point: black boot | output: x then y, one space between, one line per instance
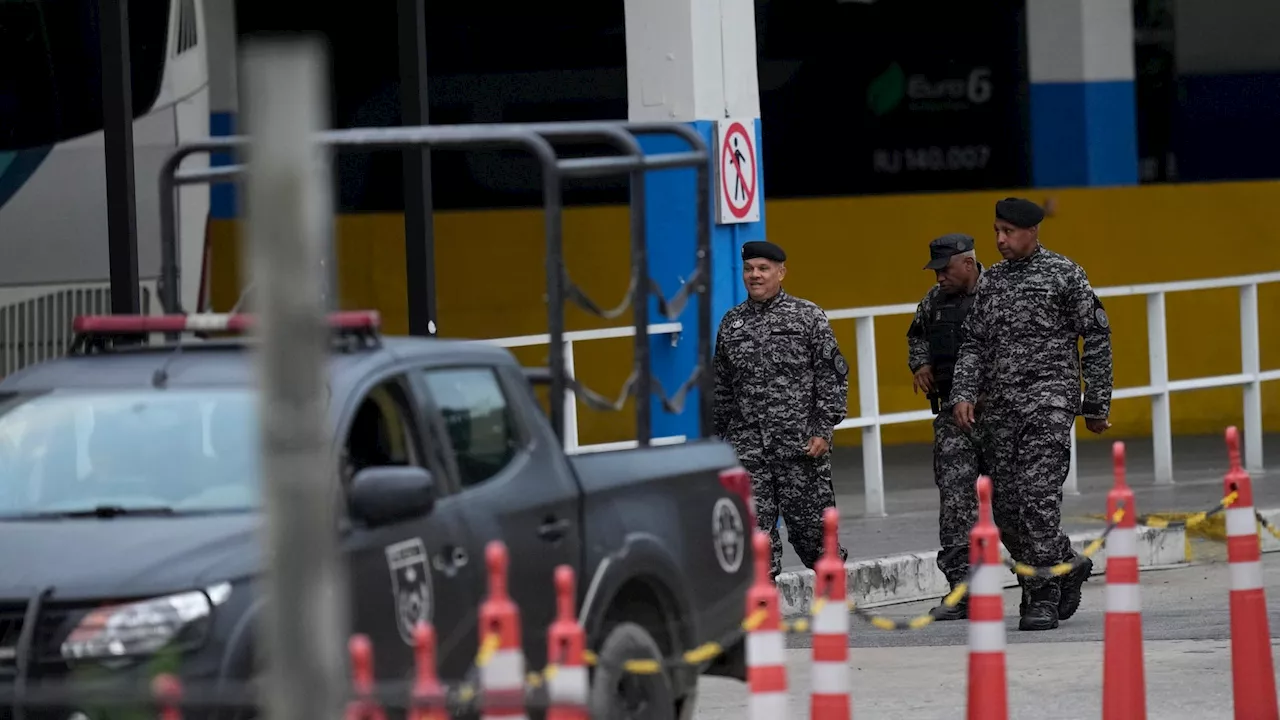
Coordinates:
1072 586
959 611
1026 597
1042 608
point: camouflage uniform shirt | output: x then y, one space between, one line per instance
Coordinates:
1020 336
780 376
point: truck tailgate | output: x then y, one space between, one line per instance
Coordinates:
669 501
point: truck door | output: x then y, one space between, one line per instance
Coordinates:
513 487
414 568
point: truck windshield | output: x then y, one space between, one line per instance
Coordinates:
178 451
50 68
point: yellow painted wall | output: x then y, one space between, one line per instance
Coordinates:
851 252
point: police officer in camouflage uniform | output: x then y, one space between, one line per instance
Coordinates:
781 388
1020 337
933 343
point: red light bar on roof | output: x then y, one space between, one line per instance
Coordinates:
206 322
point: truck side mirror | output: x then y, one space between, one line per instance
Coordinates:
382 495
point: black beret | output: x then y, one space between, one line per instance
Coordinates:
1021 212
762 249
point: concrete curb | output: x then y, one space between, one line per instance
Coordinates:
915 576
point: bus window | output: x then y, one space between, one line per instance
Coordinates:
50 67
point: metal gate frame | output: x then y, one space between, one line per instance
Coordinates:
534 138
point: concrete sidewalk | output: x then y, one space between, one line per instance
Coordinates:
893 559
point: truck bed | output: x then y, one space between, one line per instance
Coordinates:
669 519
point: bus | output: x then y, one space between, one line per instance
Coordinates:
53 212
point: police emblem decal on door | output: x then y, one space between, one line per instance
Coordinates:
410 585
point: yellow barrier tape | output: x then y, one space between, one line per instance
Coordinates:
1192 521
1066 568
704 653
488 647
881 622
1275 532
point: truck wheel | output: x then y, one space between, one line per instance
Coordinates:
616 693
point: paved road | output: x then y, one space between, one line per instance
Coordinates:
1053 675
912 498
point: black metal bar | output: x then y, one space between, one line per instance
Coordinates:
472 136
706 383
117 127
212 175
25 649
419 228
170 270
593 167
640 310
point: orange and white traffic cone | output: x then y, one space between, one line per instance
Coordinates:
567 669
766 648
988 691
1253 678
167 691
428 701
502 667
830 699
1124 687
365 706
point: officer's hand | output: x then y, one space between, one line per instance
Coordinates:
817 446
923 381
1097 425
963 413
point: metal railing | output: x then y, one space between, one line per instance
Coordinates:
37 328
571 401
1159 387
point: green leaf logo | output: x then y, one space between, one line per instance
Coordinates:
886 91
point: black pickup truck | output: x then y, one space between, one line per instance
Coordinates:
130 511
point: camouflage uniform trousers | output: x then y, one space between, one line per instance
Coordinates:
800 490
958 460
1030 456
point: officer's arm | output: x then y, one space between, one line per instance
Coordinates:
917 346
966 378
830 380
722 407
1095 364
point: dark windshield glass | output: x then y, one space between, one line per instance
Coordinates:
189 450
50 67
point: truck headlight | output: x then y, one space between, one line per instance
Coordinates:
145 626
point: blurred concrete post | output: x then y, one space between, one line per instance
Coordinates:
289 226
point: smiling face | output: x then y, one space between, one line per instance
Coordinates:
763 278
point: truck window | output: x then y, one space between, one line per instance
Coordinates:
478 418
381 433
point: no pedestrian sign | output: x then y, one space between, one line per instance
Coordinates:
737 199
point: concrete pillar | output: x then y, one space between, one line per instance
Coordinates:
694 61
1083 125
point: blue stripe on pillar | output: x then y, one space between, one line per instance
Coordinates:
1084 134
222 196
671 220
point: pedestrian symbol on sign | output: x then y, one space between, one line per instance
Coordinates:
737 171
739 192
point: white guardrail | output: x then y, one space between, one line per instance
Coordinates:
870 420
570 399
37 328
1250 377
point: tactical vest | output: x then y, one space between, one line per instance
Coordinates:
944 337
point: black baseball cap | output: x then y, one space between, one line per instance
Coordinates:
941 249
